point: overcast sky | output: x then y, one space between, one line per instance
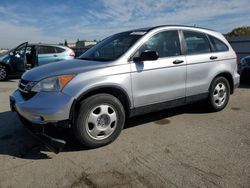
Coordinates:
52 21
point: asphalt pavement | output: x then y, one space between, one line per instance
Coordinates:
181 147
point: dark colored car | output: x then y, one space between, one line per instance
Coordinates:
26 56
244 68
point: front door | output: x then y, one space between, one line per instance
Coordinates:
163 79
18 58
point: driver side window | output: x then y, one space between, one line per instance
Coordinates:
21 50
166 44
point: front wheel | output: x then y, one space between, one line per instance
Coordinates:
100 120
219 94
3 73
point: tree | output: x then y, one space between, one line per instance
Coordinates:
240 31
65 43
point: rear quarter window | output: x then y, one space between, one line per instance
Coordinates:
218 45
59 50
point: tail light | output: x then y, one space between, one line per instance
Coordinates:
72 53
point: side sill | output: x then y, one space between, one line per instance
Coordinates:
195 98
167 104
156 107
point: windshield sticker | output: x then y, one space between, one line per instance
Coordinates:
138 33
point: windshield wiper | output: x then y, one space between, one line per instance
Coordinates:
85 58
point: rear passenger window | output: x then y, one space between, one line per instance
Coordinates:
218 45
59 50
196 42
166 44
46 50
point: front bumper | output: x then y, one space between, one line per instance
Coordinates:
43 108
40 112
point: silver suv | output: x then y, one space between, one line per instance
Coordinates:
127 74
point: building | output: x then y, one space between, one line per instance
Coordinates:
241 45
71 45
84 43
2 51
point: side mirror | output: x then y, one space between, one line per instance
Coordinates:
147 56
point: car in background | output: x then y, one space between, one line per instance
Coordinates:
26 56
244 68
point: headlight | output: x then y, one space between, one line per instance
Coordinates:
56 83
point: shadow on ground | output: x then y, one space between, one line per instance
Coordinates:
245 79
17 142
245 83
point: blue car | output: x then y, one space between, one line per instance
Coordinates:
27 56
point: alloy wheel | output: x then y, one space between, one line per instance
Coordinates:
3 73
220 94
101 122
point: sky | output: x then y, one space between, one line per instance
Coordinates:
53 21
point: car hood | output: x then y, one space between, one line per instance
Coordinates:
61 68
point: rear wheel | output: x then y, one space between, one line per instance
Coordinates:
219 94
3 72
100 120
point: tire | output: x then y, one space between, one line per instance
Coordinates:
100 120
219 94
3 73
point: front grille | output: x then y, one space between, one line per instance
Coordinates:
25 87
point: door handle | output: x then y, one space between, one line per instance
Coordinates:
177 61
55 55
213 57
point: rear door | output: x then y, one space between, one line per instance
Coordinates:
46 54
18 58
161 80
60 54
199 58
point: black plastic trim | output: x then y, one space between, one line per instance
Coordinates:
105 87
167 104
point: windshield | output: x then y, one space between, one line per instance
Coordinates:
112 47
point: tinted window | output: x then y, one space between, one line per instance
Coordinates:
196 42
166 44
218 45
46 50
59 50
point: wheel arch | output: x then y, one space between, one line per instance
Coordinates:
229 78
116 91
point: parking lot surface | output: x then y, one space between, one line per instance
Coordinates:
181 147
